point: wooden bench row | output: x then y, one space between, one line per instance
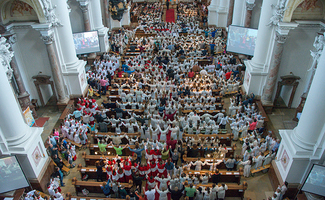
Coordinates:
94 150
225 176
93 187
223 138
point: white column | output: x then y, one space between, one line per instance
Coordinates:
238 12
312 118
97 14
304 145
212 15
98 25
263 34
222 13
12 123
16 137
65 34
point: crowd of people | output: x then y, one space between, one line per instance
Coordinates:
169 97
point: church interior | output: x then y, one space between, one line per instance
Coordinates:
118 99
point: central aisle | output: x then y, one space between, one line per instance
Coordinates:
170 15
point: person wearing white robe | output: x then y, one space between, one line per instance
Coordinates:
258 160
222 191
162 193
163 182
247 167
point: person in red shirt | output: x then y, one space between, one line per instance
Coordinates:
161 169
169 116
228 75
252 126
153 169
121 176
191 74
127 171
172 143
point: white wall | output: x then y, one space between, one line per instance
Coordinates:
76 17
32 58
297 59
256 14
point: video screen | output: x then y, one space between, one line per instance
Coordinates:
11 175
86 42
315 182
241 40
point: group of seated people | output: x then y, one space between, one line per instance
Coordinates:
173 108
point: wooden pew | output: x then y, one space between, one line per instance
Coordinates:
210 160
224 138
90 160
74 143
231 152
253 171
70 197
202 112
115 91
93 187
102 134
225 176
234 190
266 119
93 149
68 109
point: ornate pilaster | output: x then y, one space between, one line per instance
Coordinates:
6 55
48 39
319 45
230 12
278 13
249 10
84 6
281 35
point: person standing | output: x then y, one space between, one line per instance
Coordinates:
99 171
167 4
222 192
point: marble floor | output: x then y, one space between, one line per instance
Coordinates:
259 186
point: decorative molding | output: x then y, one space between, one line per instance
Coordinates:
280 38
50 14
5 56
319 44
84 5
278 13
12 39
48 39
250 5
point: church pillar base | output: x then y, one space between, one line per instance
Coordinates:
76 79
255 78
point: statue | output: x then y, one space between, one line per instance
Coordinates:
6 55
116 8
319 43
278 13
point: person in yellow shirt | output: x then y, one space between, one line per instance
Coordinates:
90 92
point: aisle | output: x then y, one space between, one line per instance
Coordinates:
170 15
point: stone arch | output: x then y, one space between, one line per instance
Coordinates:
291 7
37 6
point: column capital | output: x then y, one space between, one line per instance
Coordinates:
6 55
83 4
282 31
250 4
46 32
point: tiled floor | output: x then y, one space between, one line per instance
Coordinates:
259 186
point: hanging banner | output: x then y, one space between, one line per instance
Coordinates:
29 117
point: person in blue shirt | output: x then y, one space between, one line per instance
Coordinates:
77 114
276 146
170 167
138 151
212 45
106 188
213 33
